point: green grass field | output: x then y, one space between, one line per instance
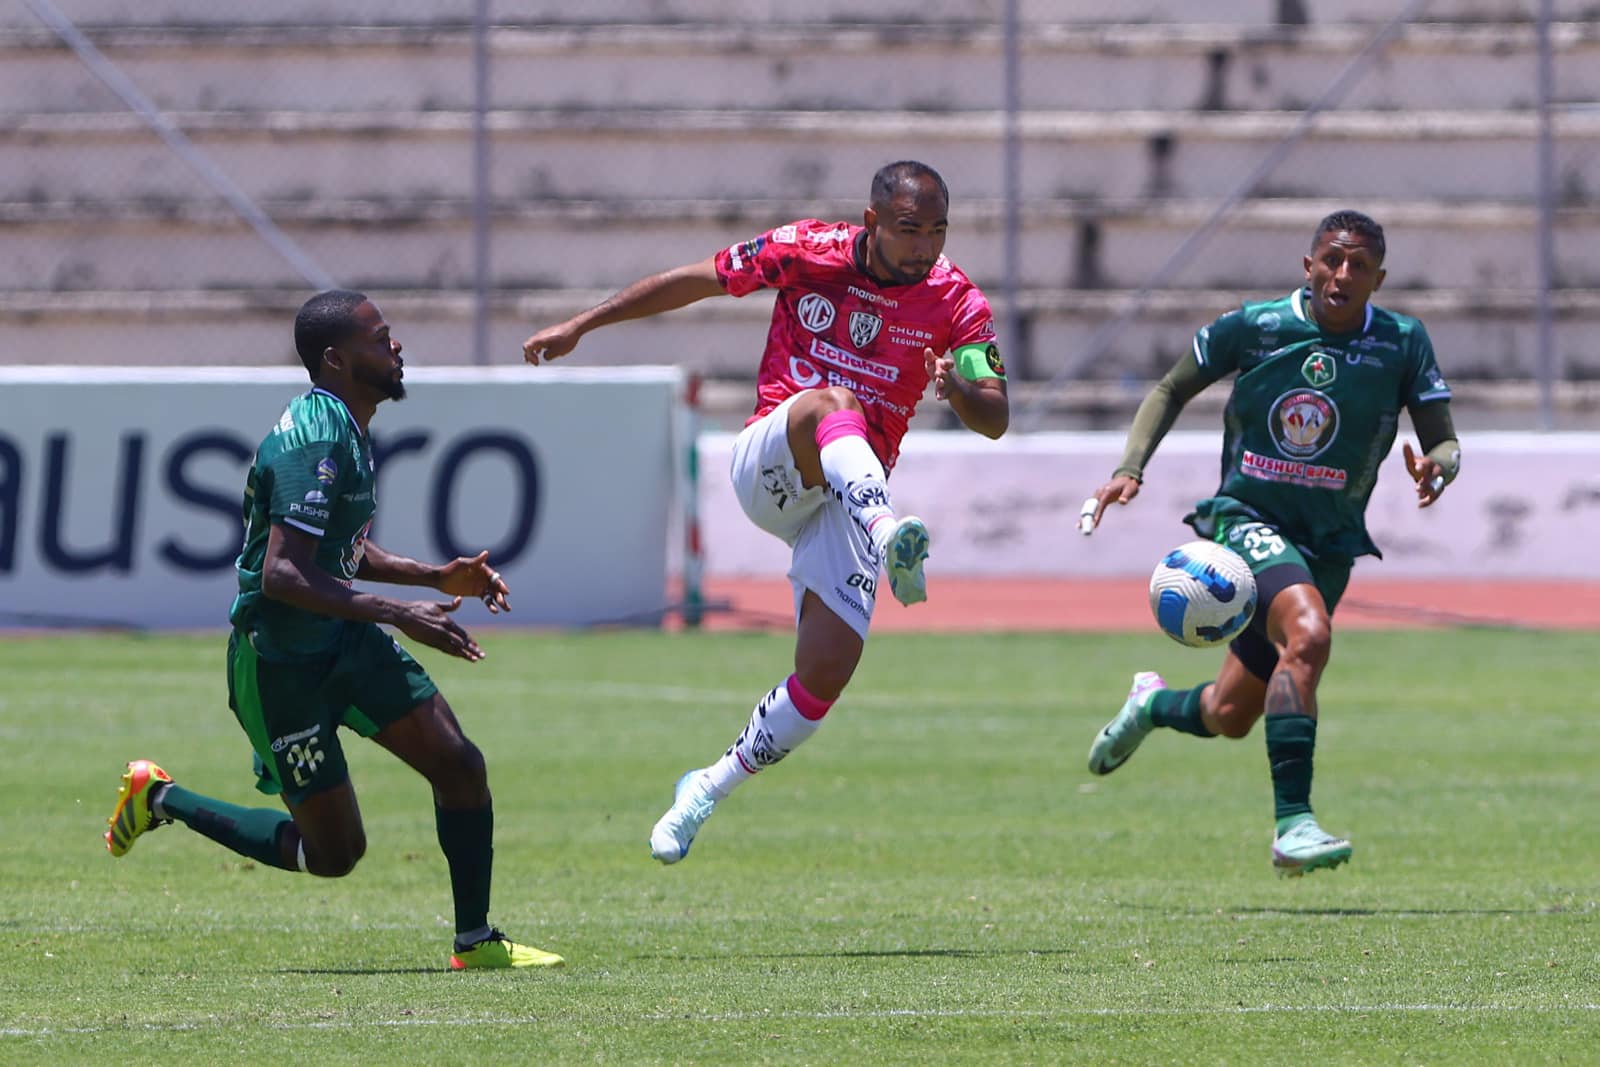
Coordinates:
934 879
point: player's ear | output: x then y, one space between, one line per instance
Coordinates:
1378 281
1305 264
332 358
869 218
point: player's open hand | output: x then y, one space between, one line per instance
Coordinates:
472 576
1119 490
941 371
429 622
1428 475
552 342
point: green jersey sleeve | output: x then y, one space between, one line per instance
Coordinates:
1217 346
1425 382
304 482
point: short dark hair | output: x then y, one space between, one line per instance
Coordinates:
322 322
891 176
1353 222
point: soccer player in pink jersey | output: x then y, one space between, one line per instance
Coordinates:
865 317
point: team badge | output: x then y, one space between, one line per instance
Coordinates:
1320 369
1303 423
814 312
738 254
996 364
327 471
864 326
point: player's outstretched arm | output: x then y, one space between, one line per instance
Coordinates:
1156 414
464 576
290 574
666 291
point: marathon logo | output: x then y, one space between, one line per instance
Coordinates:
1310 475
872 298
823 352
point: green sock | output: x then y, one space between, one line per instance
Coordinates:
1179 709
467 840
252 832
1291 740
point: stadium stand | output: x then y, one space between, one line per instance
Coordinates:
632 134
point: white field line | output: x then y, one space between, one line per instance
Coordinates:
805 1016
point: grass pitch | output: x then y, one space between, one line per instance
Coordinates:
935 878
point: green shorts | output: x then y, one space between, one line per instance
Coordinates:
1276 563
291 711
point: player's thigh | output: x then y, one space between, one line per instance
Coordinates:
834 559
379 681
766 480
291 714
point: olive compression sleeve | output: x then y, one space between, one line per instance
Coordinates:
1158 412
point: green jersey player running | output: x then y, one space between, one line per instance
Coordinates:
306 655
1321 377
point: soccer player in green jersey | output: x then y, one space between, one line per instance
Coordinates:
306 655
1321 377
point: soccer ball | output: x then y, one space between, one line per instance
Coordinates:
1202 594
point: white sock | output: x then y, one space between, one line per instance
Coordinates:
781 723
855 476
300 857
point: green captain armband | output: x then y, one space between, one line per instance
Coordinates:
979 361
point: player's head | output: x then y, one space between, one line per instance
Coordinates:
1344 269
906 220
341 337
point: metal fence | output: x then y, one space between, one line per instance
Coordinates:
177 173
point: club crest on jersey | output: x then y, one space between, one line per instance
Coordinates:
864 327
327 471
814 312
1320 369
1303 423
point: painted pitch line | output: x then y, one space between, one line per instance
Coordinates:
819 1016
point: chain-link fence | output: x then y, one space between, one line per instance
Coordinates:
178 173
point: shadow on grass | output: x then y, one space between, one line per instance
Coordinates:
888 953
1282 910
364 970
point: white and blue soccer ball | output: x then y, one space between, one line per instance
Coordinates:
1202 594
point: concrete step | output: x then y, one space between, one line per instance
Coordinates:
824 12
810 67
1445 155
1118 244
1485 335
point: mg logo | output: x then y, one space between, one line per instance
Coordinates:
864 326
815 313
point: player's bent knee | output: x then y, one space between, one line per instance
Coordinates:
1234 722
335 862
1311 642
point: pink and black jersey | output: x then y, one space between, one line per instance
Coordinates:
835 325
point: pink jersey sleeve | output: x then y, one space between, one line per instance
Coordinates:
973 322
769 261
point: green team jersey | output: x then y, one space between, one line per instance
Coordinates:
1312 415
314 472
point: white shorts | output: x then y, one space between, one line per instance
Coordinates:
832 554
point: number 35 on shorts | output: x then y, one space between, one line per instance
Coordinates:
1261 542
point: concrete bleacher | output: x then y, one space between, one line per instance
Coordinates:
631 135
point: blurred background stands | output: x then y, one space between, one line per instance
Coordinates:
626 136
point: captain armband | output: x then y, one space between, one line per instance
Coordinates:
979 361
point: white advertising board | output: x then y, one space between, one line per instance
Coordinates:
1525 506
121 489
